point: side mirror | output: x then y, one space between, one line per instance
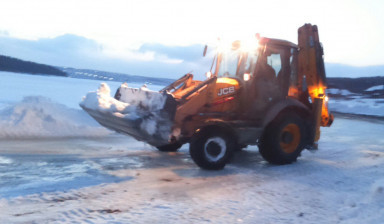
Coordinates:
205 50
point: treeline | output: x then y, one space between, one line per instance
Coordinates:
10 64
356 85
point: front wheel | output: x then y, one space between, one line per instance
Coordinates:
211 149
283 139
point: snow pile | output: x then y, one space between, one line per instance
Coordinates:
374 88
137 110
373 107
37 116
342 92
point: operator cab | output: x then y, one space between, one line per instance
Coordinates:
264 70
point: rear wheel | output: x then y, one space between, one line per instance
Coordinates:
170 147
211 149
283 139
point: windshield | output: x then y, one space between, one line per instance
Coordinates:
235 63
228 64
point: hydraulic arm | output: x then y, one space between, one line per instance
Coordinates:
311 73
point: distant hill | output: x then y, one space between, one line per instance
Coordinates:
10 64
341 70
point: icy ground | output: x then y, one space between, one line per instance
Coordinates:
58 166
118 180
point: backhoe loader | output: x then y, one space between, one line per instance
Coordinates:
270 94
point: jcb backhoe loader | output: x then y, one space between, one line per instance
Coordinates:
271 95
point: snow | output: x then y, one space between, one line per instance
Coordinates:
148 99
102 100
37 117
343 92
374 88
358 105
354 103
135 105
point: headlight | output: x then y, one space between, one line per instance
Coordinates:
246 76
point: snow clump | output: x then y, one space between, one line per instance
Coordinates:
134 105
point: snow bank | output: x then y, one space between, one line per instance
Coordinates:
137 112
37 116
374 88
343 92
373 107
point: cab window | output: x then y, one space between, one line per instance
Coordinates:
228 64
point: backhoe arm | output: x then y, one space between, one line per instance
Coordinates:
311 66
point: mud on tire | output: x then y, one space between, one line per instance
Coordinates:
283 139
212 148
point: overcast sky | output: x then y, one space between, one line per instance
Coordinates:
351 30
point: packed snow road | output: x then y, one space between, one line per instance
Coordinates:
116 179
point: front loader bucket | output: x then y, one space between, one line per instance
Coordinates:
143 114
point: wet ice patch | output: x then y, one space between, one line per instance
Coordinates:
31 174
37 116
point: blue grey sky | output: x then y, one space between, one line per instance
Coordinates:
166 38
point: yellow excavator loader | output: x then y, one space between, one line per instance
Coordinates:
271 94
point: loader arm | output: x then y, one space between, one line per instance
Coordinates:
176 84
192 101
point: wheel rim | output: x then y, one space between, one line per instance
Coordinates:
290 138
215 148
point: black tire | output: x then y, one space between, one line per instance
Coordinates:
212 148
169 148
283 139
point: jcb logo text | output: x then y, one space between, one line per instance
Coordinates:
225 91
